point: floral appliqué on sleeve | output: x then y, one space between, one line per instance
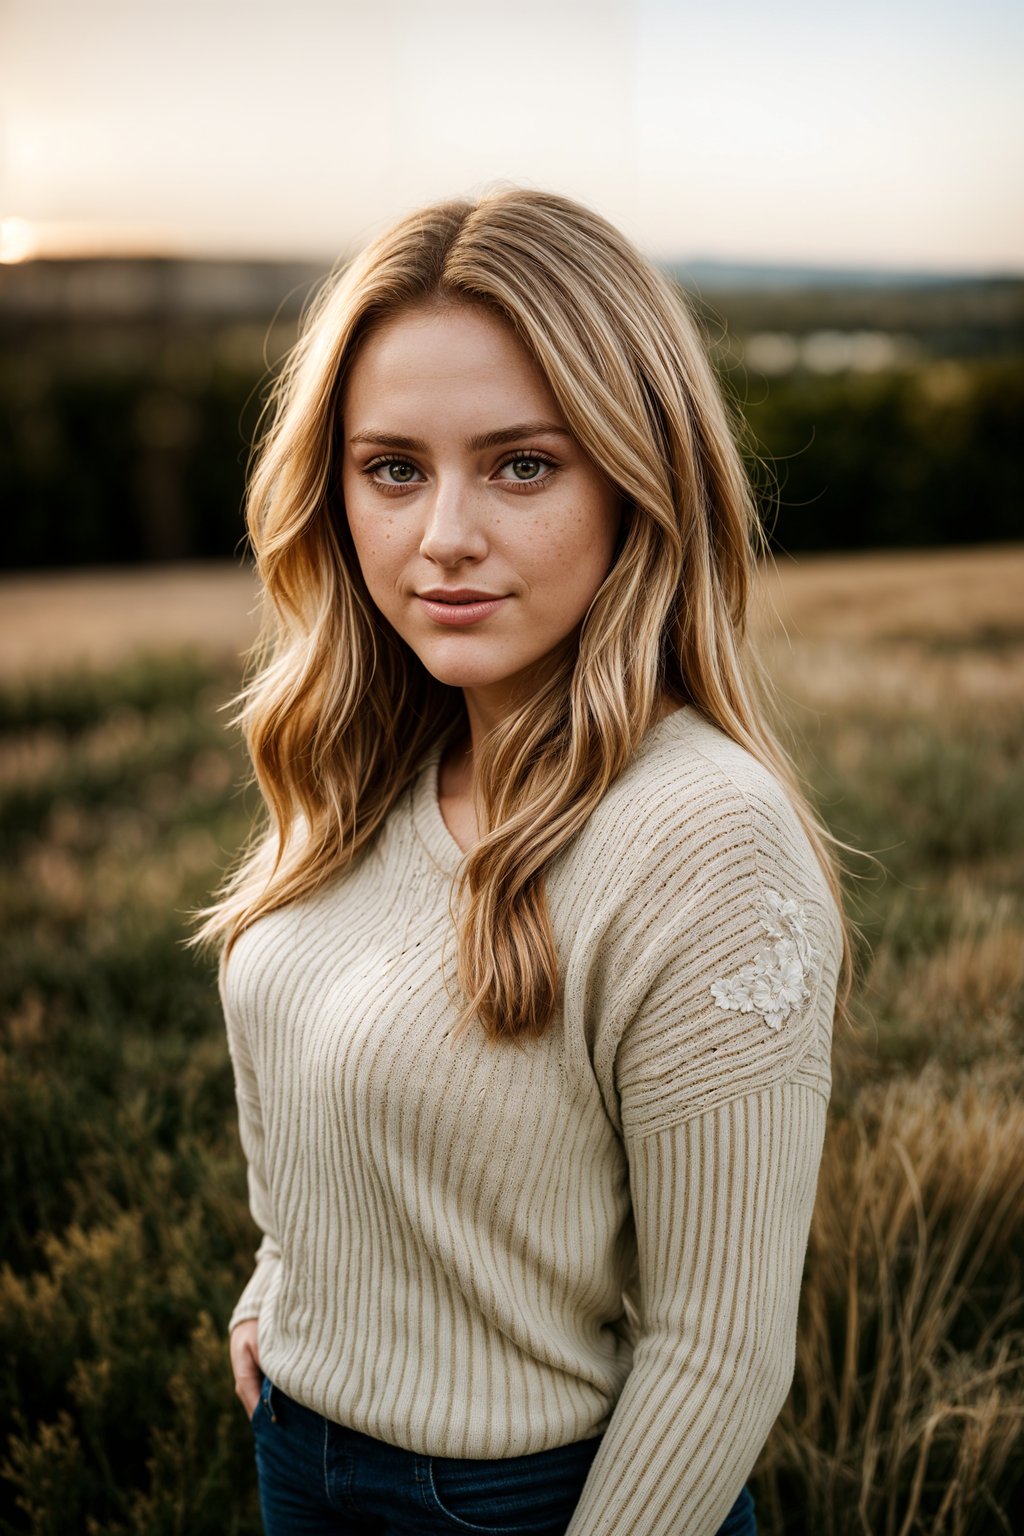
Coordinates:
776 982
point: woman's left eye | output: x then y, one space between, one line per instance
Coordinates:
526 467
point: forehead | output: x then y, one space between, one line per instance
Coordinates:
461 357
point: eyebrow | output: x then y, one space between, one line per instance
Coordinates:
496 439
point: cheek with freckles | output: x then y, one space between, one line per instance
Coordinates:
380 551
565 559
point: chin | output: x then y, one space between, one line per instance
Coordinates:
463 677
464 671
459 657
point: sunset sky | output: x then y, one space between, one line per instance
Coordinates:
881 134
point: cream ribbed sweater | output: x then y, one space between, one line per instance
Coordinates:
486 1251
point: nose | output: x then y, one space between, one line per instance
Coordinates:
454 528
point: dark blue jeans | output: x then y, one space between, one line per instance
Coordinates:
318 1478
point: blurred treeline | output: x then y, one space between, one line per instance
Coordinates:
130 394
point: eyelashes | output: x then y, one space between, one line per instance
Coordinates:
398 462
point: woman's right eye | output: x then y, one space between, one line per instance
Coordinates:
391 471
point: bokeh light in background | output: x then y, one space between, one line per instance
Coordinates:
879 134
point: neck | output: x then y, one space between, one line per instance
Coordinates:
459 758
484 713
486 710
482 716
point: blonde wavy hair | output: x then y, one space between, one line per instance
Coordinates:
338 712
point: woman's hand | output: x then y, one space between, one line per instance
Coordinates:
243 1346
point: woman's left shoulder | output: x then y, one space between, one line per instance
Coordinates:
697 823
713 945
690 785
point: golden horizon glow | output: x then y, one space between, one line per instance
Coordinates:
17 241
25 240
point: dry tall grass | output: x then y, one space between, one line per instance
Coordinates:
909 1404
902 679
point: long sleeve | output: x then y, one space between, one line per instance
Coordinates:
720 1076
250 1130
723 1206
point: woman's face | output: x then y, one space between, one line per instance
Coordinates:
482 529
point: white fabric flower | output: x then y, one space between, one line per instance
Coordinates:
776 983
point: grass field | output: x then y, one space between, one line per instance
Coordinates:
126 1234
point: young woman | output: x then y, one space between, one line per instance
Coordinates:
529 978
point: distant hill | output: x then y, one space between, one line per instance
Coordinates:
126 289
705 272
129 290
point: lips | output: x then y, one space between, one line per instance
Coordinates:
460 595
459 607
